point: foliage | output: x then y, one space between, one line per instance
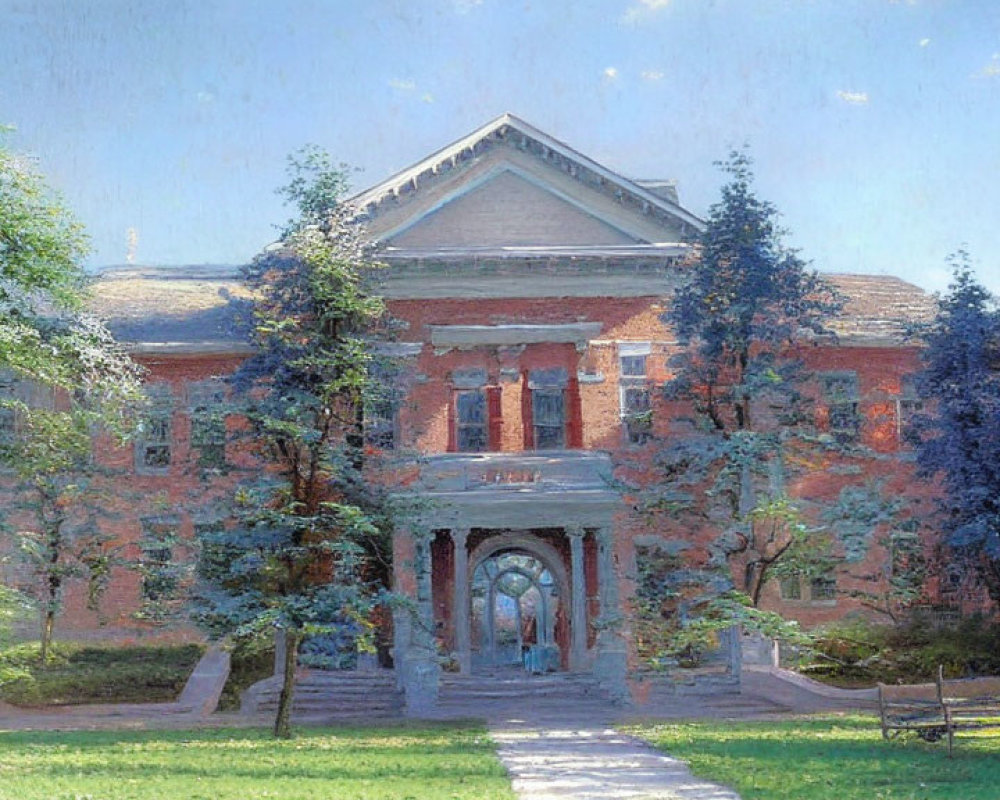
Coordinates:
422 762
64 376
958 440
309 553
739 316
76 673
685 640
829 758
14 607
863 515
745 306
861 652
251 660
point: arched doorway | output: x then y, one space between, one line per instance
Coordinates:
515 607
521 575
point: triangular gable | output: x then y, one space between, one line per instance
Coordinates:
510 184
508 208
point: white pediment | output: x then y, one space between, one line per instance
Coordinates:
510 185
508 209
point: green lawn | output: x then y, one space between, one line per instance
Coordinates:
401 762
831 758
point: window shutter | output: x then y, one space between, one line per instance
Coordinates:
574 414
494 417
526 413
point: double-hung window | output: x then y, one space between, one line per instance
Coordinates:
840 392
472 434
548 408
633 387
548 413
160 573
154 441
908 404
208 423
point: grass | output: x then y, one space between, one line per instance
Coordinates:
831 758
77 673
405 762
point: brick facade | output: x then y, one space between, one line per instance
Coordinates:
541 320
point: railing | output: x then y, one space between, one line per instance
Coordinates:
549 470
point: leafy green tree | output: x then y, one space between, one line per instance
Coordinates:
958 438
748 306
867 514
740 315
66 380
310 549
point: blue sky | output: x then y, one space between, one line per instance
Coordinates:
874 124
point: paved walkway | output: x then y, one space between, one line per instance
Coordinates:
593 762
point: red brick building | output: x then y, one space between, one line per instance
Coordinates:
531 282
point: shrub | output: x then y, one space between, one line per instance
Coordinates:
251 661
857 651
75 673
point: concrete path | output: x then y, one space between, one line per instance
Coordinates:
593 762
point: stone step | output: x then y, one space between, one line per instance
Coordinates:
522 680
523 691
358 709
334 690
345 676
329 695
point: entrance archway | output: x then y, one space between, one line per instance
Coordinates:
515 603
519 602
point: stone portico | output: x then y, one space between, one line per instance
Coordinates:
552 509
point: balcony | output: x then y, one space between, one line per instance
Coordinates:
531 471
550 488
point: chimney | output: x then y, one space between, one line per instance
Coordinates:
664 189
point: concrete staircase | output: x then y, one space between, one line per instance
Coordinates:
329 696
504 692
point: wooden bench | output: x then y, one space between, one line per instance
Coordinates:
935 710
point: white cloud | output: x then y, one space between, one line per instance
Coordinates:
465 6
992 69
642 9
854 98
611 73
651 75
924 42
403 85
205 96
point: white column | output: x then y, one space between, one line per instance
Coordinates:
460 610
425 604
578 605
610 664
421 669
607 581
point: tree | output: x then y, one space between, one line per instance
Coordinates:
745 309
867 514
310 549
958 438
65 379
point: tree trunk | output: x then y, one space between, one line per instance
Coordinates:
282 722
48 621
